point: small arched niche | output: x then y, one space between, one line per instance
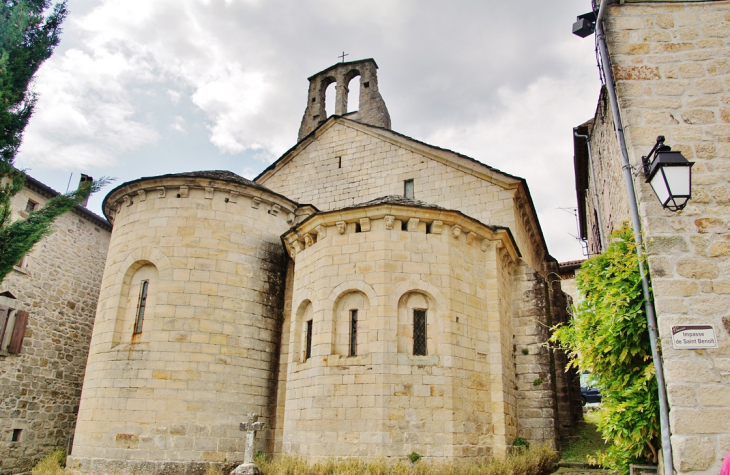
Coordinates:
137 303
417 324
304 332
351 332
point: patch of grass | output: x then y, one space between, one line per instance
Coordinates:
51 464
587 441
534 461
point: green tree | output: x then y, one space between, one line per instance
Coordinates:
608 336
29 32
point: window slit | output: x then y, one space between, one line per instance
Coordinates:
408 190
353 332
308 348
141 307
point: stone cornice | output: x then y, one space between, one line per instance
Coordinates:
438 221
232 192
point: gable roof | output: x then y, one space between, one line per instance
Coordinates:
449 157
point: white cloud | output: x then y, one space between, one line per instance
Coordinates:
528 134
178 124
496 80
85 115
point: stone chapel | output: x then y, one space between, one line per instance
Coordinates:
368 295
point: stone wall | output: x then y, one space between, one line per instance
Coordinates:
372 109
670 61
386 261
172 396
58 284
349 163
610 185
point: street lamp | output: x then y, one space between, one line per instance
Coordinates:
669 174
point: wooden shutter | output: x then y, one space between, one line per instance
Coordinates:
16 341
4 313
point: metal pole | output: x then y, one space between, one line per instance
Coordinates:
648 304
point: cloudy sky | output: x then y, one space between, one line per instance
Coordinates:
146 87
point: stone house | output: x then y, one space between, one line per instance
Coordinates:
367 295
47 308
672 74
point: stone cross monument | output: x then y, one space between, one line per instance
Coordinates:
251 427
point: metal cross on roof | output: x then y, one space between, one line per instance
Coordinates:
343 56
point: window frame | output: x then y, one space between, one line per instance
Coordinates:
420 338
28 205
409 186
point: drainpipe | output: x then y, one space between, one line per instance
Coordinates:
648 304
593 185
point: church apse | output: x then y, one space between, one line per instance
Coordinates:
372 109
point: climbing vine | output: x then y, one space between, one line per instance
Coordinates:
608 337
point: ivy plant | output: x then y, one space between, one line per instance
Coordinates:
608 337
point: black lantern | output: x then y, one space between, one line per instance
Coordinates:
669 174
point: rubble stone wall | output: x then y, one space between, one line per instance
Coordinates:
609 193
58 284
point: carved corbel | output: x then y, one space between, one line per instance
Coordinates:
389 220
308 241
295 247
471 237
209 192
233 198
127 200
437 227
341 227
413 225
364 225
255 202
184 191
456 231
142 195
321 232
160 191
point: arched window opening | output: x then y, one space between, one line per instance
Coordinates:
417 330
304 342
351 325
330 99
137 303
353 95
